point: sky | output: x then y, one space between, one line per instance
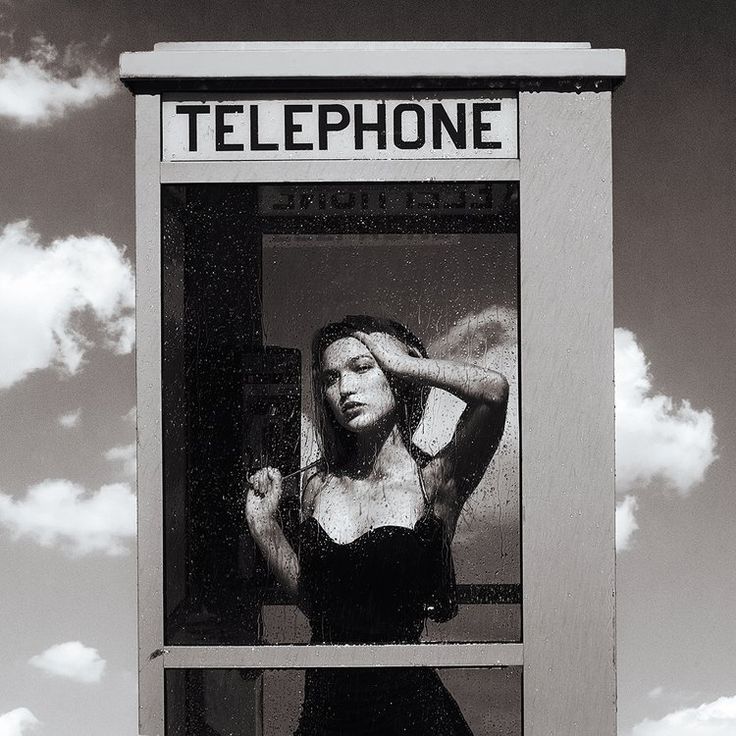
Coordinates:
67 568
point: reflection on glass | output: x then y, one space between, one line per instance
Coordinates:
276 702
401 528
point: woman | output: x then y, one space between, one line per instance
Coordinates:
379 516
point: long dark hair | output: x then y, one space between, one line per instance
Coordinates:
337 444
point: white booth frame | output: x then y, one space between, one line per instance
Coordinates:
566 357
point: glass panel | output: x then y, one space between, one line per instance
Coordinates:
251 274
413 701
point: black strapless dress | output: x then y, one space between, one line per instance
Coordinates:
379 588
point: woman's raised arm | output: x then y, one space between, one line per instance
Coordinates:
459 466
262 514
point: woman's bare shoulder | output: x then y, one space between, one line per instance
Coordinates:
314 482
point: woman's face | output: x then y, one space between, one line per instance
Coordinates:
356 388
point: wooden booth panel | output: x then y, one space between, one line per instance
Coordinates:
567 414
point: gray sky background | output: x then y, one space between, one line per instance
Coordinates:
69 169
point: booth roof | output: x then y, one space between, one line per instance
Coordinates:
260 65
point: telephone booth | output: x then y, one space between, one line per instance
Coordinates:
460 189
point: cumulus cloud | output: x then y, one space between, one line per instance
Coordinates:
625 522
72 660
45 83
710 719
46 291
17 722
124 454
71 419
657 437
130 416
59 512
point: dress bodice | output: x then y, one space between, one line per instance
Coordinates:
379 588
373 589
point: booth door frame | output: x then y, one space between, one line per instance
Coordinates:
566 417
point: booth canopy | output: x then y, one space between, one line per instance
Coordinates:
203 66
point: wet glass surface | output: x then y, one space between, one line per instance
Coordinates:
232 702
249 273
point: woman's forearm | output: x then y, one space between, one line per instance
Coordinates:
471 383
275 548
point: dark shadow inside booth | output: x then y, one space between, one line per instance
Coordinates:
232 404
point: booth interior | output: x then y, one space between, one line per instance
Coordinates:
249 273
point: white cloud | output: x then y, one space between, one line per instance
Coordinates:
45 84
72 660
124 454
16 722
130 416
655 692
45 291
710 719
70 419
59 512
625 522
657 437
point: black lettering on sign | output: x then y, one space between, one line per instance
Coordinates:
343 204
459 204
379 127
192 111
221 128
287 201
399 140
457 130
470 199
255 144
479 125
429 201
291 127
324 124
306 201
486 198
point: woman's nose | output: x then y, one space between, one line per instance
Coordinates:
347 385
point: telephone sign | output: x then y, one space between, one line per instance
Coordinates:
423 127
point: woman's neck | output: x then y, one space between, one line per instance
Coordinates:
378 454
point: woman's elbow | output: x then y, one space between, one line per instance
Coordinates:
496 389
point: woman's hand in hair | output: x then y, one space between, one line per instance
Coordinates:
390 353
264 494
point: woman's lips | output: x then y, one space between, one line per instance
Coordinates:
351 407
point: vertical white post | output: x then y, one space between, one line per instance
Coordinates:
567 419
148 390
